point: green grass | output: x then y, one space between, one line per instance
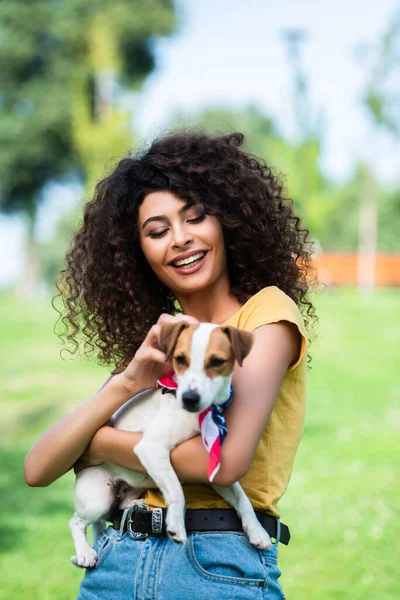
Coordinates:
342 504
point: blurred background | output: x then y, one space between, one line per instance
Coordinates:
315 88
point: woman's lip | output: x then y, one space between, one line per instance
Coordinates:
193 269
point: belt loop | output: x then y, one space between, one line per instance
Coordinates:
278 531
122 525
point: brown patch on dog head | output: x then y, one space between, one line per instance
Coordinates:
219 358
241 342
169 335
181 357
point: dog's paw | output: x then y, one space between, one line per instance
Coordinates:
258 537
85 560
179 537
176 529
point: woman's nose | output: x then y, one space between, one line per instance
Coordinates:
181 237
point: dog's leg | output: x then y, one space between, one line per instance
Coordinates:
97 529
236 497
93 499
156 461
85 555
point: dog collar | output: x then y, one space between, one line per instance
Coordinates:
168 381
212 424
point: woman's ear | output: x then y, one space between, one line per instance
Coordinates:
241 342
169 336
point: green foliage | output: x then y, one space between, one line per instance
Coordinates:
100 129
342 502
34 140
382 100
297 164
341 231
44 48
330 211
388 222
382 96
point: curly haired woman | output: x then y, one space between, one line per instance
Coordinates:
189 194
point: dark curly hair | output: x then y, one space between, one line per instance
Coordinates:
111 296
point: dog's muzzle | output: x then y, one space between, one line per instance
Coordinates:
191 400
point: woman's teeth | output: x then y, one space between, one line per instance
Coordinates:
190 261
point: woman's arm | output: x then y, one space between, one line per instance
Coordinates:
190 459
61 445
64 442
256 386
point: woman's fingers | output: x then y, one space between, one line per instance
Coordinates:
149 361
166 318
148 353
153 336
153 332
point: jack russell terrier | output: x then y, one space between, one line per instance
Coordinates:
203 358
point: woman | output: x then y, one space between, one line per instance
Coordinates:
193 229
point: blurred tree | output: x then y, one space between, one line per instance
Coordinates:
388 222
56 88
315 198
382 96
382 100
259 129
341 231
298 163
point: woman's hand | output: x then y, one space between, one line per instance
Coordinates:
148 364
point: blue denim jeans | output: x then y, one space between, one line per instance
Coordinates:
212 566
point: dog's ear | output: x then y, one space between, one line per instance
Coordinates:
169 336
241 342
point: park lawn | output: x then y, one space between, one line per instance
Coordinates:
342 504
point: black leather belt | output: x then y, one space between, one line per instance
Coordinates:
140 522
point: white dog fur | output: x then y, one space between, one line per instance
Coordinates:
165 423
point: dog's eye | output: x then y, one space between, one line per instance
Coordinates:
180 360
216 362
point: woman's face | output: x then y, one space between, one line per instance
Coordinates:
184 246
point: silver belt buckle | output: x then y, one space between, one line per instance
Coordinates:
136 535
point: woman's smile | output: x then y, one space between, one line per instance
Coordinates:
190 263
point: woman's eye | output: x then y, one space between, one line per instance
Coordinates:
158 234
180 360
216 362
197 219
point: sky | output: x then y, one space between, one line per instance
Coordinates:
231 52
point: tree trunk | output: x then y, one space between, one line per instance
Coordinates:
367 234
28 284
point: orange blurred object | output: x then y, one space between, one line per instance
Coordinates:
341 268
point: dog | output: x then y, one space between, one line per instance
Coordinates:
203 358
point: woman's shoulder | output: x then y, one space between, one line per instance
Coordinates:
269 300
271 295
268 305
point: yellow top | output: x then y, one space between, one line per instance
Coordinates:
269 474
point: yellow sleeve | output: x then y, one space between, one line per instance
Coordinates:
271 305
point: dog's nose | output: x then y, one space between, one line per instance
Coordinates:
191 400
